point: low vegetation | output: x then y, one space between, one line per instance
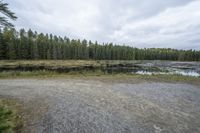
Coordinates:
100 75
9 120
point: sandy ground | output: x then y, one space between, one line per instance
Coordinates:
95 106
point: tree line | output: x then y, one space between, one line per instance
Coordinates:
31 45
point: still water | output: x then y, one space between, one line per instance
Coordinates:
170 68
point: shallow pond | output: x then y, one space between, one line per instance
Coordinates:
169 68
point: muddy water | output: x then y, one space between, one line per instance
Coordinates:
94 106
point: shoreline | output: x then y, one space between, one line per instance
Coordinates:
122 77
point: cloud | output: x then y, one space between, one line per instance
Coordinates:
144 23
175 27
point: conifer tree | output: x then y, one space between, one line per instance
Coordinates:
7 14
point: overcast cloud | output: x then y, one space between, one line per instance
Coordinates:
139 23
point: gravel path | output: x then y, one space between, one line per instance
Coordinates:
93 106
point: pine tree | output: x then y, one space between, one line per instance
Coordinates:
7 14
2 47
30 45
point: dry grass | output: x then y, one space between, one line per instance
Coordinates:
65 63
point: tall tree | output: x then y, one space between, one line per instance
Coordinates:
30 45
2 46
24 47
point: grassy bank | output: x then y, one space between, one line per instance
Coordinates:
56 63
10 121
100 75
68 66
61 63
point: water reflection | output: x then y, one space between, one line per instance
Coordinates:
169 68
191 73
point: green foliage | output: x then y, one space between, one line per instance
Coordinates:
31 46
9 14
6 120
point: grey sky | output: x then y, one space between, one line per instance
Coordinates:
139 23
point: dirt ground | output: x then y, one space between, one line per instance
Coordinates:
99 106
